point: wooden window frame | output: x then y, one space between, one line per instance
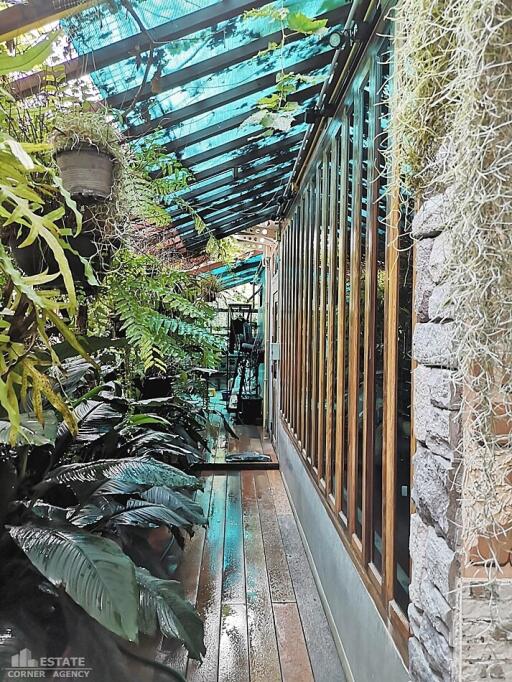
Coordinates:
317 248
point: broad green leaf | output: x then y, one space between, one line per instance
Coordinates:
162 604
34 56
93 571
301 23
18 151
178 502
140 470
147 515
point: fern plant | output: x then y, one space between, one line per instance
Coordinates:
161 311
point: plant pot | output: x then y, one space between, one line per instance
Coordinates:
86 172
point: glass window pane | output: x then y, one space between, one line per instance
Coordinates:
403 423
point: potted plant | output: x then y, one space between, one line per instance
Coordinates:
88 152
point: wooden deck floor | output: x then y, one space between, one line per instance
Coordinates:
250 579
250 438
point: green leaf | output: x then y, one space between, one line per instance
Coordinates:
178 502
301 23
93 571
30 431
147 515
162 603
34 56
140 470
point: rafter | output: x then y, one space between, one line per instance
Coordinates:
229 204
214 64
261 184
229 124
256 85
282 151
21 18
247 142
140 43
230 181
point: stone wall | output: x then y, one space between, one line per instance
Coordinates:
485 630
433 541
460 617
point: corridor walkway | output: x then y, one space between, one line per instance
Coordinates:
249 576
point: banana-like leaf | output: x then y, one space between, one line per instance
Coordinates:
93 571
49 512
178 502
111 487
150 442
99 508
162 605
94 420
140 470
147 515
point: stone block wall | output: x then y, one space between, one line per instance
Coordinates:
485 630
434 525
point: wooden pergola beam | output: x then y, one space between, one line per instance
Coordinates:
213 64
19 19
139 43
177 116
202 134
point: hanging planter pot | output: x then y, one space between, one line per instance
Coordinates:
86 172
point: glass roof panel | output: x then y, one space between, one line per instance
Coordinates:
178 76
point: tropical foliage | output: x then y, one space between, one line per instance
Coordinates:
160 311
276 111
90 471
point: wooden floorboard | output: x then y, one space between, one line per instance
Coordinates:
209 592
250 579
281 588
233 649
263 653
233 578
323 655
293 653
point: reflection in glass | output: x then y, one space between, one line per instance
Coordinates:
382 204
348 233
403 417
362 309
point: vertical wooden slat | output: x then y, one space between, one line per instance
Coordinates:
300 327
311 285
331 305
295 328
324 232
391 370
341 331
315 319
282 314
286 318
305 320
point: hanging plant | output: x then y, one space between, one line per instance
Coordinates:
275 111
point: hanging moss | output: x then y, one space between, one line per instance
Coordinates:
452 130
